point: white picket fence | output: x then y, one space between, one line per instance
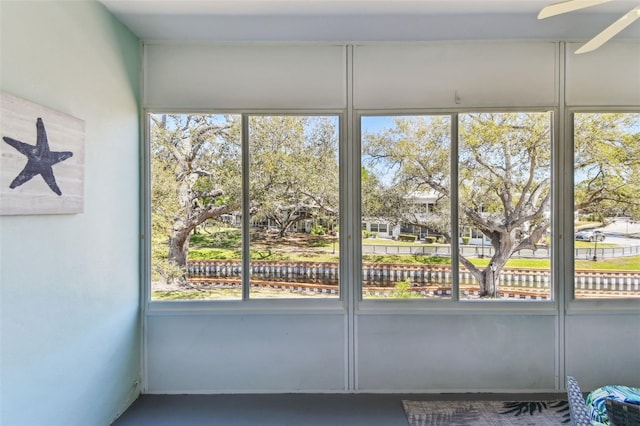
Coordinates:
386 274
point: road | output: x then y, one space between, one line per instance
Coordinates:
623 233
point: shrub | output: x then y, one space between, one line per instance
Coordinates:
435 260
167 272
407 237
429 240
318 230
402 289
466 240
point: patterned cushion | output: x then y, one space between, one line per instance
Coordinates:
596 400
577 407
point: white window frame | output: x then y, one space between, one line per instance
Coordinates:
350 220
328 305
575 306
455 304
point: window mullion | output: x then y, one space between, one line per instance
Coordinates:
455 261
246 219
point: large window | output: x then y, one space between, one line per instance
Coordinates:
406 251
503 188
294 193
202 248
196 241
606 205
254 212
504 205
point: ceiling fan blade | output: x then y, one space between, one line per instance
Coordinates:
610 31
568 6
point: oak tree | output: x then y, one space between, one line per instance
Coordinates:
503 180
195 176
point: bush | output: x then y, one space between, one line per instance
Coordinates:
407 237
402 289
318 230
466 240
167 272
429 240
365 233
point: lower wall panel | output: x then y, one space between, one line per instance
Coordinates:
427 353
245 353
603 349
306 352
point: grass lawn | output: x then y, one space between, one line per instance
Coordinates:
587 244
232 294
226 294
619 263
226 244
631 263
389 242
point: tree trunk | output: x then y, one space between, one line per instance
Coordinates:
489 282
180 233
488 277
179 247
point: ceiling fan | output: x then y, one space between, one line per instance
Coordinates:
606 34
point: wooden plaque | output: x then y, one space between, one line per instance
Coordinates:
41 159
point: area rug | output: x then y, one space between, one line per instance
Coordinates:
486 413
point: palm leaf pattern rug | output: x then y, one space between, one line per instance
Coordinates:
486 413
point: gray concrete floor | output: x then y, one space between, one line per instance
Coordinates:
288 409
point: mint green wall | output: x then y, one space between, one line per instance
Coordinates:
70 314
